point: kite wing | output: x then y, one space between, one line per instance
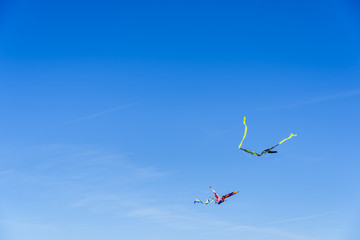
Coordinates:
216 196
228 195
198 201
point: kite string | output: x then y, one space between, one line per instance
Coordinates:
291 135
244 133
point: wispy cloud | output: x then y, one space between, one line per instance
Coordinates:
139 204
85 175
26 223
88 164
273 231
176 216
98 114
4 173
296 219
318 100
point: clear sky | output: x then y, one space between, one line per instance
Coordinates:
116 116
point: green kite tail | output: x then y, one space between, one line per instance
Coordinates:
291 135
251 152
269 150
244 133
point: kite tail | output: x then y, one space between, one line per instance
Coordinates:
244 133
209 200
251 152
291 135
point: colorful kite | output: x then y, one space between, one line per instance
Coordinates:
220 200
217 199
269 150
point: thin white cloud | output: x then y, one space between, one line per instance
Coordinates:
274 231
318 100
296 219
176 216
27 224
88 164
98 114
269 231
5 173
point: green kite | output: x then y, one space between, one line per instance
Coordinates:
269 150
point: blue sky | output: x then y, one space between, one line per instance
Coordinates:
116 116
